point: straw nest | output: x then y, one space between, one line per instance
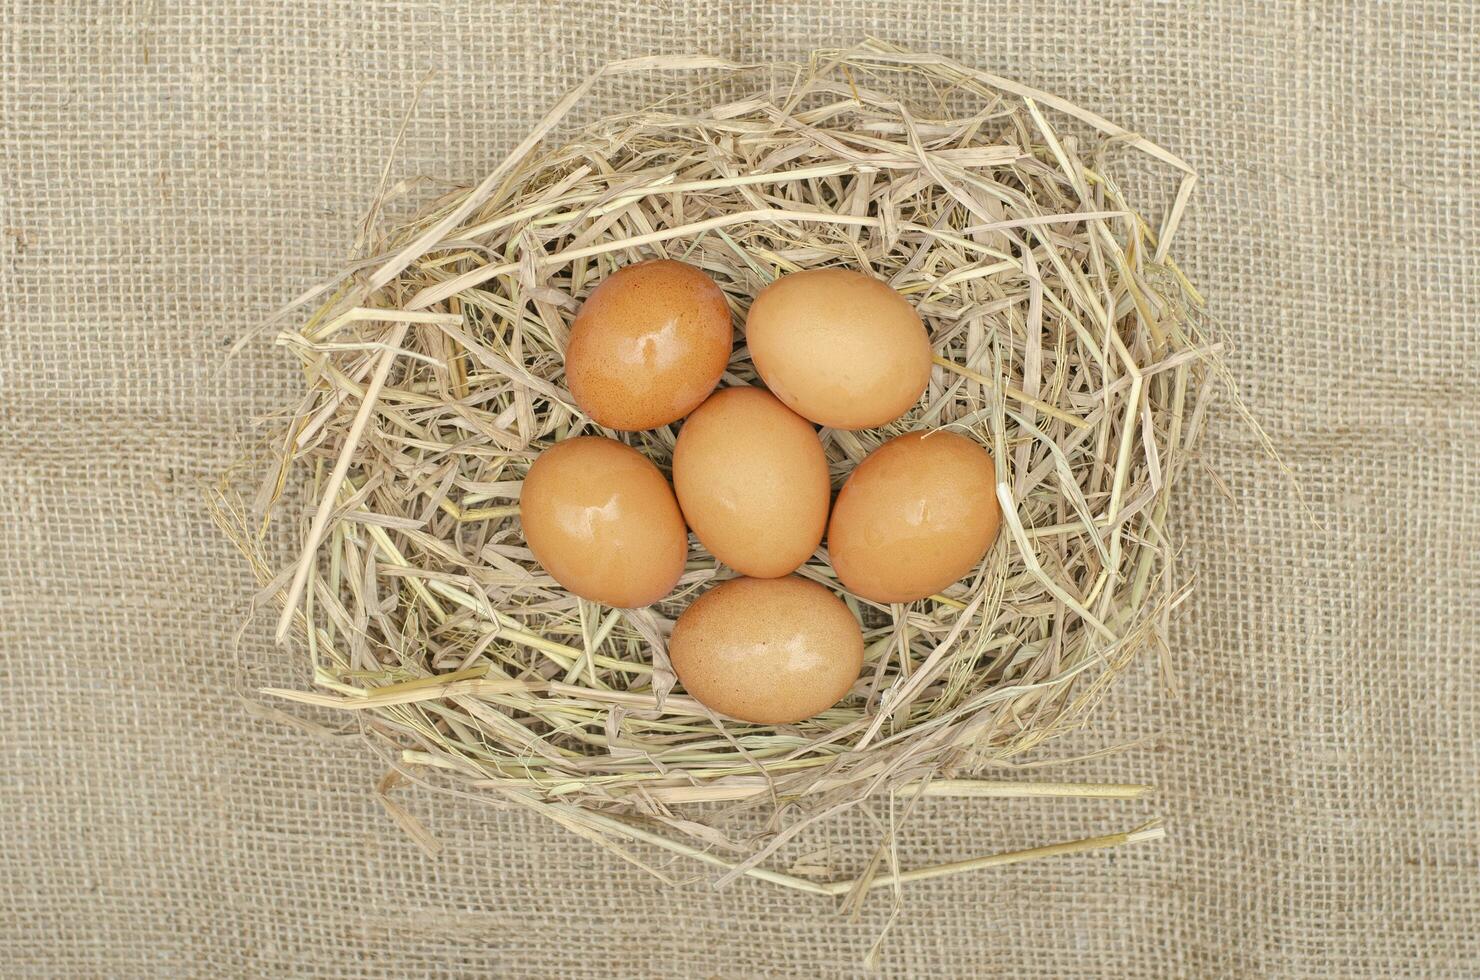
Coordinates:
1066 340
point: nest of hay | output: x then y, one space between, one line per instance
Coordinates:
1066 340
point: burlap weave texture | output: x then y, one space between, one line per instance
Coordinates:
171 172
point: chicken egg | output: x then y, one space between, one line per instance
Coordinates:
751 479
648 345
915 516
602 520
839 347
770 651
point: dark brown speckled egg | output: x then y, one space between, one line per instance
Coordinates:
648 345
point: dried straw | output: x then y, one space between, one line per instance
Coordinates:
1066 340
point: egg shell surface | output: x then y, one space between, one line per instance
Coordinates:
770 651
839 347
915 516
648 345
751 478
602 520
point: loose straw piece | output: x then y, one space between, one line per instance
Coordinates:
966 788
336 479
1145 832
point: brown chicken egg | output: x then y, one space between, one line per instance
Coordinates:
771 651
602 521
648 345
839 347
751 478
915 516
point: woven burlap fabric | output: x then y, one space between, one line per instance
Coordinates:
173 171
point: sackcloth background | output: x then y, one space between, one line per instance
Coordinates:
173 171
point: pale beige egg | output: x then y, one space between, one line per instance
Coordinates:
751 478
915 516
602 520
839 347
648 345
771 651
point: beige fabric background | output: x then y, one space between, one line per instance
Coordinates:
174 170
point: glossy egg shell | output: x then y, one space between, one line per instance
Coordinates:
915 516
771 651
602 520
648 345
839 347
751 478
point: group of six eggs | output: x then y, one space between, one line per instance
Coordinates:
750 477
